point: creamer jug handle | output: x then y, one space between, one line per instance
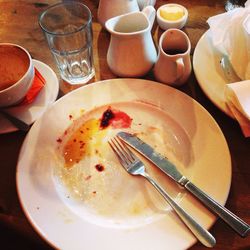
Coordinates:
179 68
150 12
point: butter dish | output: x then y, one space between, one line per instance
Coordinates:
172 16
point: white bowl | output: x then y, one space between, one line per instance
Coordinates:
167 24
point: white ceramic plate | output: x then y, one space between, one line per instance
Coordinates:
209 74
29 113
190 138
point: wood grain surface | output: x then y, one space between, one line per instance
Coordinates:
19 24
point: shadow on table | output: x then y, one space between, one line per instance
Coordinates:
13 239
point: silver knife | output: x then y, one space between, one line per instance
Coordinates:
241 227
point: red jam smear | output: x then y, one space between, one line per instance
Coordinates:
115 118
99 167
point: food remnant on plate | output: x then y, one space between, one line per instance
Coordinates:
99 167
91 175
115 118
171 13
89 136
106 118
59 140
78 144
87 178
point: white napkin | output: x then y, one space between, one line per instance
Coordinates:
238 100
230 34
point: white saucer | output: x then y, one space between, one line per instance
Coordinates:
209 74
31 112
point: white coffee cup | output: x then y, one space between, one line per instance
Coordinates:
173 65
16 73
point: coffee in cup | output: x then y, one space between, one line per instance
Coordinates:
16 73
14 63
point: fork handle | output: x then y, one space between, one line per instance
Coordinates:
201 233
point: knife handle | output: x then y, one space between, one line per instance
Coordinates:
241 227
21 125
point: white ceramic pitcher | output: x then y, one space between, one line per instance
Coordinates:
111 8
144 3
173 65
131 51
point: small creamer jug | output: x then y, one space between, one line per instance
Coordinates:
173 65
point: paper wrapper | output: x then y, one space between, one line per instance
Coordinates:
37 85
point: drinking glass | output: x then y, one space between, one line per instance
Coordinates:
67 27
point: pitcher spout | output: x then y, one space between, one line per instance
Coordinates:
130 23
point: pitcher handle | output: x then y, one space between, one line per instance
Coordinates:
150 12
145 3
179 68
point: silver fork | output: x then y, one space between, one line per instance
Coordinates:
133 165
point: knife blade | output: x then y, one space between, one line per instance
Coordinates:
160 161
241 227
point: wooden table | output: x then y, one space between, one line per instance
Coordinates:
19 24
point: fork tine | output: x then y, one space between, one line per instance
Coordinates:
123 153
114 148
124 149
118 152
119 149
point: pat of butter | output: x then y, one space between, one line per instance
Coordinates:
171 13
